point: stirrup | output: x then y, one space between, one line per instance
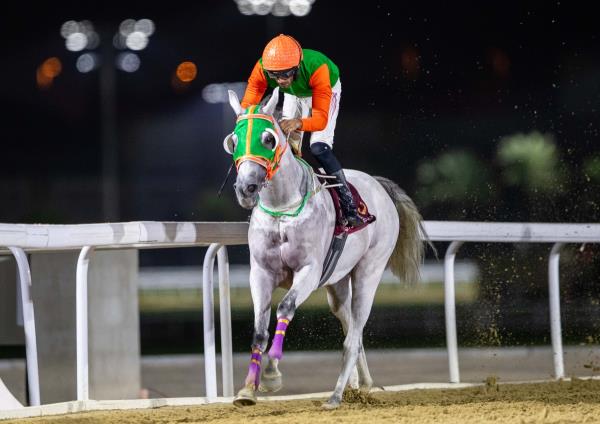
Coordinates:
323 176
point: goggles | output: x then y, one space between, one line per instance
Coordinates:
288 73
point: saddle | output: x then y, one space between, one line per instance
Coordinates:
361 207
341 231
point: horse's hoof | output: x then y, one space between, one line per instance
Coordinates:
364 388
332 403
245 397
271 381
329 405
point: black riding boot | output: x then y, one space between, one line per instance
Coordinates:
347 200
331 165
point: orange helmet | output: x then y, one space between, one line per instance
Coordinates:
282 52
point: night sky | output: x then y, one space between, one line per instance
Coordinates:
418 79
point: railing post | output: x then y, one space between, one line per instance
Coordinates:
81 306
225 315
210 360
554 298
450 310
33 378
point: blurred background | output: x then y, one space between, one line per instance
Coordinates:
481 112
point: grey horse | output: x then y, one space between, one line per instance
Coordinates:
291 229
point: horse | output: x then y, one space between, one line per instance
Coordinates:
291 228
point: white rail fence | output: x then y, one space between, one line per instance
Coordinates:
19 239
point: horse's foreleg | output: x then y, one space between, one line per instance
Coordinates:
247 394
261 297
271 379
305 281
259 345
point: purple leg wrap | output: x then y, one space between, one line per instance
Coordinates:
276 351
254 368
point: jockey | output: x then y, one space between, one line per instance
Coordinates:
311 83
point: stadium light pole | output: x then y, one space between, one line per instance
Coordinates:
131 36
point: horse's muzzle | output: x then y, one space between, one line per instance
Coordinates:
247 195
250 179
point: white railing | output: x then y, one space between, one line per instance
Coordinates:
458 233
22 238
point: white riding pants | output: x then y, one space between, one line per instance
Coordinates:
301 107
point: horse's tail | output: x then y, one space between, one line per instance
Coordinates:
409 251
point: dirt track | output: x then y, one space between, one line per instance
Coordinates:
560 402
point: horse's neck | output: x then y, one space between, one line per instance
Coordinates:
288 186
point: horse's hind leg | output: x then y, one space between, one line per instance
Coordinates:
364 376
365 279
340 301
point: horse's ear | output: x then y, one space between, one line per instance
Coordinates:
235 103
272 103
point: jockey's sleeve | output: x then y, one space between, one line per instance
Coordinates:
321 99
257 85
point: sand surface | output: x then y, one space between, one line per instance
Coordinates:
559 402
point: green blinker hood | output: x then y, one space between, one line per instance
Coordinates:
249 131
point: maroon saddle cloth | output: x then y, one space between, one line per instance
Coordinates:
361 206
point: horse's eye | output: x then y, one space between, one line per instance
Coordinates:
268 140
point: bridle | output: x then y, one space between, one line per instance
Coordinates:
271 165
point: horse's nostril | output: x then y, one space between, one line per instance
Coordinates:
251 188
